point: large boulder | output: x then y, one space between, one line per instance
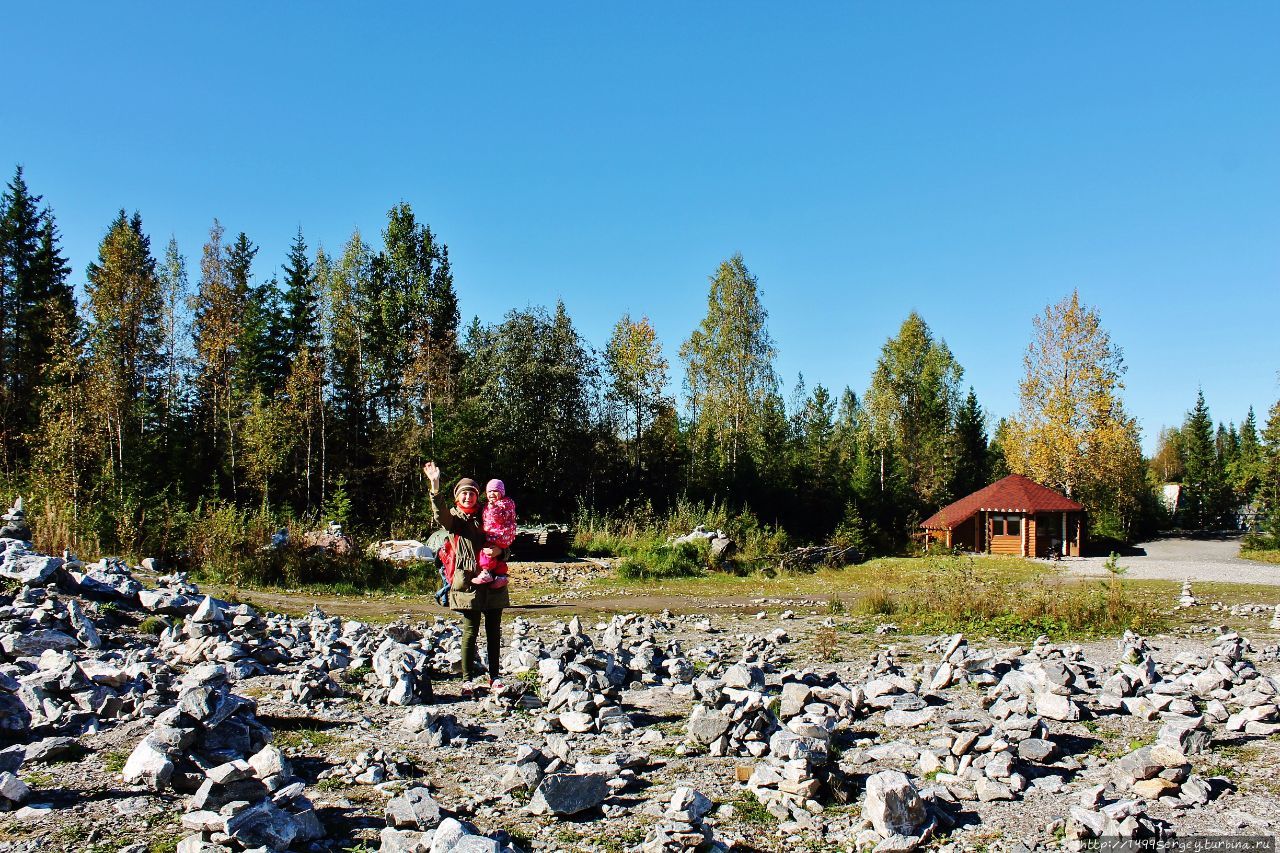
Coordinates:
564 794
893 806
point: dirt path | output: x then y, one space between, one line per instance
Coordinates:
385 608
1181 558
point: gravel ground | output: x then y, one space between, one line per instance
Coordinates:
95 812
1179 559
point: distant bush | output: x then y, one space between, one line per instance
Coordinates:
638 532
662 562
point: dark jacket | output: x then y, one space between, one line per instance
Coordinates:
469 539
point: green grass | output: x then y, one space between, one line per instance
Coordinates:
617 843
1009 597
1261 555
113 761
748 809
300 738
659 562
153 625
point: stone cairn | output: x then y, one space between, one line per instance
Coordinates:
581 686
1185 598
403 674
242 790
682 826
732 715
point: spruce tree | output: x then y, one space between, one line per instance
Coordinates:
36 301
301 301
1204 477
973 464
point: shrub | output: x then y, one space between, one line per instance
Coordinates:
664 561
153 625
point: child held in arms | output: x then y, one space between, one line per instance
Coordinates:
499 521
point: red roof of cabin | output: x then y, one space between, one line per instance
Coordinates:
1014 493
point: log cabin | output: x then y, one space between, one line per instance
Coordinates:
1014 516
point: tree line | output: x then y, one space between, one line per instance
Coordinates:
315 390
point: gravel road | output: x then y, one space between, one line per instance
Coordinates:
1178 559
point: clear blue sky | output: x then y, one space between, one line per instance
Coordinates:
971 161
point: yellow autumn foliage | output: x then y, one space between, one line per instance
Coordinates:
1071 432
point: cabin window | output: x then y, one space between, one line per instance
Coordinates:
1006 525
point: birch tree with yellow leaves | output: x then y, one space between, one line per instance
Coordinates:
1071 432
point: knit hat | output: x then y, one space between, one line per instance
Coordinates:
496 486
466 483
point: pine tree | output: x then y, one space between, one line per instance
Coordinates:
262 358
1269 479
350 287
1245 472
1204 481
526 412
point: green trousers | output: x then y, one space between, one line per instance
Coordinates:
493 639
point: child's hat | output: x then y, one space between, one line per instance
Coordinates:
464 484
496 486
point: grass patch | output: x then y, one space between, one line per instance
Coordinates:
330 784
618 842
152 625
113 761
975 596
300 738
826 644
38 779
748 809
356 674
1261 555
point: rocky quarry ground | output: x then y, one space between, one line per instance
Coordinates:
150 717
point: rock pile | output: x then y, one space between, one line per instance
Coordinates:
682 826
15 523
18 562
1122 819
211 745
433 729
1160 772
732 716
1185 598
581 687
403 673
372 767
449 835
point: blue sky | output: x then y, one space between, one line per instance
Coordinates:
971 161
